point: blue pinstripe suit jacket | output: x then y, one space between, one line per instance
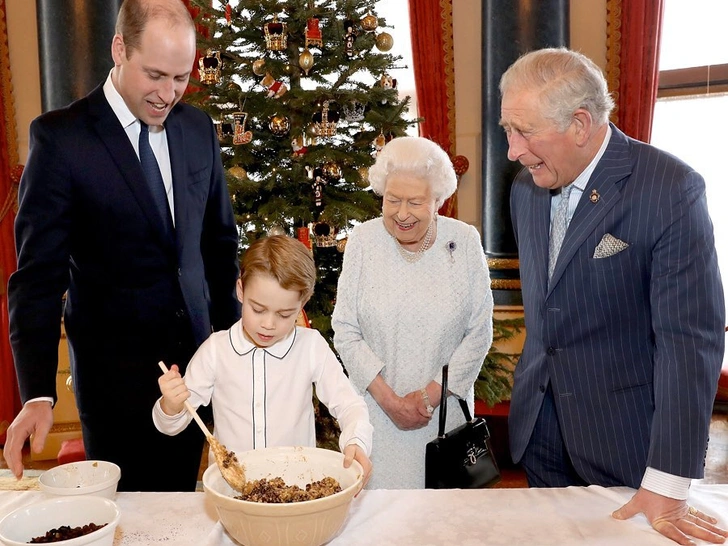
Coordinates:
632 344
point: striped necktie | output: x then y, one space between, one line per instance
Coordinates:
154 176
558 227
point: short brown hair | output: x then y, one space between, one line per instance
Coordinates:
134 15
285 259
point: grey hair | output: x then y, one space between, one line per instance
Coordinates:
419 157
566 81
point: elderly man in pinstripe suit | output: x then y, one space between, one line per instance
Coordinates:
622 295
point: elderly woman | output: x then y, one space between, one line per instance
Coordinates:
414 294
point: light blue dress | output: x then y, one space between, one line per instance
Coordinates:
405 321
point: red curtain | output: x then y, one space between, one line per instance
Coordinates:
9 177
633 47
434 68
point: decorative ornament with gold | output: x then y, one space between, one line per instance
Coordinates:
279 125
240 135
210 67
305 60
353 111
312 35
324 235
258 67
276 35
325 121
369 23
384 41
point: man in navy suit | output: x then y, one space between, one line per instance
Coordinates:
624 318
144 281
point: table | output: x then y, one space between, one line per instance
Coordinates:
492 517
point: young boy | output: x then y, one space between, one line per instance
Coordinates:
259 373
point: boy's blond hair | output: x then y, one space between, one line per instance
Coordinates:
285 259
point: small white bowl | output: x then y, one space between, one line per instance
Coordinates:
98 478
35 520
306 523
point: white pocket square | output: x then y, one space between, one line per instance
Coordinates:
609 246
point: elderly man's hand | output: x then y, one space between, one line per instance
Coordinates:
672 518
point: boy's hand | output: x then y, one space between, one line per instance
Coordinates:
174 391
353 452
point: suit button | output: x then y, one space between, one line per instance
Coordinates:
180 313
551 351
542 388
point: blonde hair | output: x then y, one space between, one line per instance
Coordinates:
285 259
418 157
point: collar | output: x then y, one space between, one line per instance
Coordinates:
243 345
117 103
582 180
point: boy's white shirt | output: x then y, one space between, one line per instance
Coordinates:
262 397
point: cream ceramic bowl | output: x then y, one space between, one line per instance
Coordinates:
35 520
307 523
82 478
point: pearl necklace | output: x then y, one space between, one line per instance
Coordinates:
412 257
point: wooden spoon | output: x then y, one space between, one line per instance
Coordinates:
227 462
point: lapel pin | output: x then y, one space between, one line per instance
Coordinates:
594 197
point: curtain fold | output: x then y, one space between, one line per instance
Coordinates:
434 69
633 47
9 178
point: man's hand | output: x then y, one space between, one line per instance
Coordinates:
174 391
35 418
672 518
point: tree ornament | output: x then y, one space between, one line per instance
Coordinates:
341 244
331 171
228 13
276 35
305 60
318 183
259 67
349 38
379 143
238 172
210 67
324 235
369 23
279 125
303 234
276 88
313 33
353 111
240 135
363 176
387 82
225 132
324 122
384 41
299 146
276 230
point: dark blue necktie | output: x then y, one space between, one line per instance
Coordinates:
154 176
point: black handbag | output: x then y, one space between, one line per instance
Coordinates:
462 458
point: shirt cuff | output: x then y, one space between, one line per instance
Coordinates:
40 399
667 485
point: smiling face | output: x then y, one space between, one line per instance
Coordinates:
408 208
553 158
269 310
152 78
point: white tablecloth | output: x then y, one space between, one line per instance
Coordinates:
492 517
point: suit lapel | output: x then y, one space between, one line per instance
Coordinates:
116 141
178 162
613 167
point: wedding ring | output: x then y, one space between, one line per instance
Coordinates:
693 511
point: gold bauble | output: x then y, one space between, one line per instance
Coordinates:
331 171
305 60
369 23
259 67
312 130
279 125
364 177
384 41
238 172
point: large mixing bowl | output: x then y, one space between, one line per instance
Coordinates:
306 523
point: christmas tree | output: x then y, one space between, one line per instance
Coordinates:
303 98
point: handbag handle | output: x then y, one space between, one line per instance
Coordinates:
443 405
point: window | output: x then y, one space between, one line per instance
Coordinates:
691 113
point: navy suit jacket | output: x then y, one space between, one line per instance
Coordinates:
632 344
87 226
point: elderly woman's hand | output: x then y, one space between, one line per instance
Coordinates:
406 413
